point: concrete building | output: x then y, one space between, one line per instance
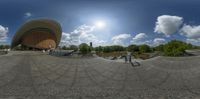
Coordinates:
39 34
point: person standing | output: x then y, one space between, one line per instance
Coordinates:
130 61
125 57
129 56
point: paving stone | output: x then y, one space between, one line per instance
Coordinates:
33 75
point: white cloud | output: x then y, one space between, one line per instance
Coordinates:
158 41
167 24
66 39
3 33
194 41
140 38
28 14
119 39
83 34
192 32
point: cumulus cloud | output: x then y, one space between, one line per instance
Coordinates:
66 39
83 34
140 38
119 39
168 24
158 41
28 14
194 41
192 32
3 33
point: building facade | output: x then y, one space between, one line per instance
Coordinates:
39 34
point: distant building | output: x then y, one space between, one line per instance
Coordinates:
39 34
90 44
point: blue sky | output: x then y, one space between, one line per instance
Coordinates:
126 22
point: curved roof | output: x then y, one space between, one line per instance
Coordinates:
37 24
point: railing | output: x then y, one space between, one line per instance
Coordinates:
61 52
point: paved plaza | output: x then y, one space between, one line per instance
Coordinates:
34 75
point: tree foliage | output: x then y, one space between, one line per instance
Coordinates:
64 48
133 48
159 48
4 46
175 48
107 49
73 47
144 48
98 49
84 48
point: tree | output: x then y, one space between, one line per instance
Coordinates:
7 46
144 48
73 47
64 48
159 48
84 48
175 48
133 48
107 49
99 49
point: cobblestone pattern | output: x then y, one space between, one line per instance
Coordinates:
39 76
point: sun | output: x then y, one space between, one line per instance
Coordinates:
100 24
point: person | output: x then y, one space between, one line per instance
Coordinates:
130 61
125 57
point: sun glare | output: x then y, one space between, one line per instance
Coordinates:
100 24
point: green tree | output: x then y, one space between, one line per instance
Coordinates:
1 46
159 48
84 48
144 48
73 47
117 48
175 48
107 49
133 48
99 49
7 46
64 48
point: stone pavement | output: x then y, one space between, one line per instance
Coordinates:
33 75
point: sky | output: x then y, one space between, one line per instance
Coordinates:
108 22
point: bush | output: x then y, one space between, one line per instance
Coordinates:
98 49
159 48
114 48
144 48
133 48
73 47
84 48
175 48
64 48
4 46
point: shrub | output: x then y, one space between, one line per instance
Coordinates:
84 48
175 48
114 48
144 48
73 47
64 48
159 48
98 49
133 48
